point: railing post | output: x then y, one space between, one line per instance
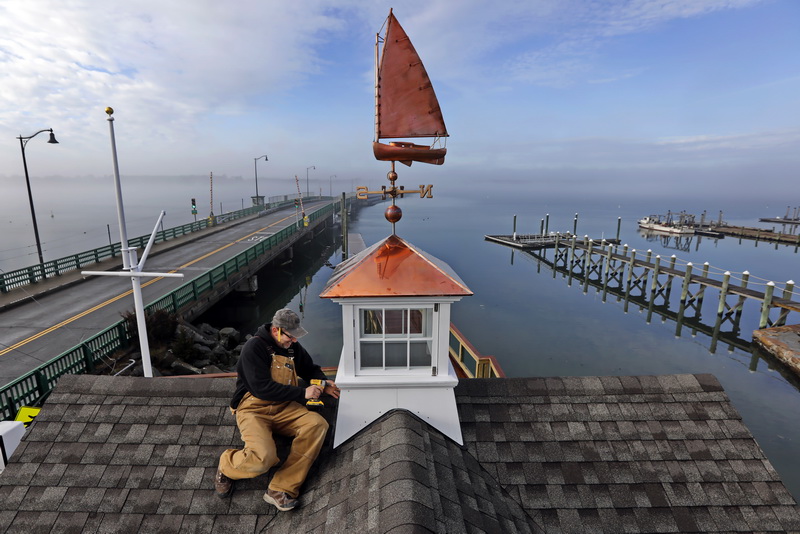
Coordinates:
88 357
41 382
766 305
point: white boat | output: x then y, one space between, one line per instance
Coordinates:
655 223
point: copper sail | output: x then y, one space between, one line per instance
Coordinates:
406 105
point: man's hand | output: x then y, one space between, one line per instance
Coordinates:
332 389
313 392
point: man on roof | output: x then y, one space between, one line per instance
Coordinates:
268 399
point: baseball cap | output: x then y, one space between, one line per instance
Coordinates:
289 322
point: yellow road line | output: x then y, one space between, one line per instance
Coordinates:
114 299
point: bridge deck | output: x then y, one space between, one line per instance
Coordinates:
43 320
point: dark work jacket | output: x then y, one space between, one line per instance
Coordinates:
255 374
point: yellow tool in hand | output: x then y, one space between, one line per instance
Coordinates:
315 404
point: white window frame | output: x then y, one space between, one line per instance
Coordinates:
429 321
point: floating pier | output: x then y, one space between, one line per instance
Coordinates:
783 342
535 241
793 219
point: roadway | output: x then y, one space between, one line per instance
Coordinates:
51 320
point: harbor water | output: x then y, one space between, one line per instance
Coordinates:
537 324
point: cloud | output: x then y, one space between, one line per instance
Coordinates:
571 57
165 64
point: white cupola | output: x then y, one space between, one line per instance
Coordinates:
396 326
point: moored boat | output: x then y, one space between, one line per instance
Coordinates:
655 223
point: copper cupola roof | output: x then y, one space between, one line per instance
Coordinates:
394 267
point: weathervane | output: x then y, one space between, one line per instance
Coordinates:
393 213
405 107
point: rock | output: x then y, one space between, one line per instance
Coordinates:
201 363
209 330
220 355
202 351
211 370
179 367
229 337
197 336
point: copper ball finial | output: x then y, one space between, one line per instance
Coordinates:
109 111
393 213
391 176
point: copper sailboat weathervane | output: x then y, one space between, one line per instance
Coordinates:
405 107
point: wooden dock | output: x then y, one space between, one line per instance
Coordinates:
653 276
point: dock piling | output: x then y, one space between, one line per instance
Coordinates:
686 280
766 305
515 228
723 292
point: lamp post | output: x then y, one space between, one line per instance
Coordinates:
330 185
255 168
22 142
307 191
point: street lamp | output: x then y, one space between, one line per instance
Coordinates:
312 167
330 186
255 166
22 142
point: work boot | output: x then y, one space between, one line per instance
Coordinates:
223 485
282 501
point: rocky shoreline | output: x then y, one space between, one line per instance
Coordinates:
194 350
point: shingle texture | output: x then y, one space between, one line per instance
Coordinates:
593 454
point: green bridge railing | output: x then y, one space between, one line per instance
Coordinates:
33 387
34 273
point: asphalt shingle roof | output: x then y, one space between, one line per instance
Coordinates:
590 454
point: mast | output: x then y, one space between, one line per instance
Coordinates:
377 81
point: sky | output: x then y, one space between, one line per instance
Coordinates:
620 96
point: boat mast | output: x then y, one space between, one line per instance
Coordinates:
377 117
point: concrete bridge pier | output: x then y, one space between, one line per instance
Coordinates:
248 286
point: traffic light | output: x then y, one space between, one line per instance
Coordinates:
194 207
296 203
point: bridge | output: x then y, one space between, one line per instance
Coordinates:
48 330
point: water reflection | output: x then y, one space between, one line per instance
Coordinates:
655 299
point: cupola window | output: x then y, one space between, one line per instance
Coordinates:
393 338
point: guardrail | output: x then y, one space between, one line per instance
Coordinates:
31 275
33 387
479 366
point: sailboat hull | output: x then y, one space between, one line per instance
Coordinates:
407 153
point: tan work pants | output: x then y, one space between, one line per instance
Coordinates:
257 420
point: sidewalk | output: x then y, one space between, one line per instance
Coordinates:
27 293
